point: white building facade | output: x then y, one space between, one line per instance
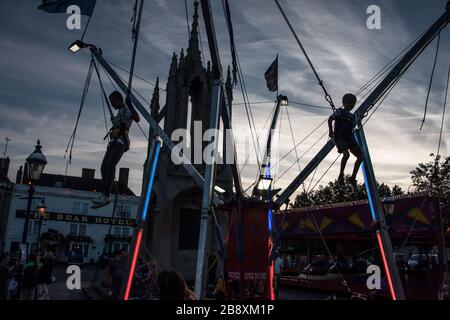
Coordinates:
73 231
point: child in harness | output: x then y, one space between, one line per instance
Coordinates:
344 126
119 144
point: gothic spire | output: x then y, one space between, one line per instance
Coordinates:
173 69
154 105
193 49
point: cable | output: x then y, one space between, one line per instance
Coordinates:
83 99
386 67
307 105
293 138
187 18
135 76
265 123
327 96
431 80
443 114
301 157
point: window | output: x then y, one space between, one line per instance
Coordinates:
82 230
116 247
74 229
80 207
84 207
117 231
76 207
125 232
123 211
189 229
125 247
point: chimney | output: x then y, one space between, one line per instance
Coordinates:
4 168
19 175
88 174
123 176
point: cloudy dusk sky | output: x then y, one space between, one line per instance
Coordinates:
42 82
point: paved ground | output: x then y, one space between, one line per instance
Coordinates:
59 291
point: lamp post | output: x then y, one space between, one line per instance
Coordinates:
41 211
35 164
388 208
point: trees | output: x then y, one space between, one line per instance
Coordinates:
335 193
433 178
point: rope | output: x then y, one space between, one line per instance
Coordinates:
187 18
293 138
237 67
301 157
388 66
327 96
343 281
135 37
249 112
279 138
431 80
227 13
307 105
89 20
265 123
83 99
134 75
443 113
102 88
303 140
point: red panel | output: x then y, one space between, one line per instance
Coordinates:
252 272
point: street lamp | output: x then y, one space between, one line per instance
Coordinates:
264 185
35 164
41 211
389 205
78 45
284 100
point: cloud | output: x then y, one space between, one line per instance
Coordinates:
42 82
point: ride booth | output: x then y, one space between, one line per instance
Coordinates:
248 270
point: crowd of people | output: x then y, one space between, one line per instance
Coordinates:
29 281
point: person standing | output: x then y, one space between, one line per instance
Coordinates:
173 287
44 278
30 271
278 264
4 277
115 272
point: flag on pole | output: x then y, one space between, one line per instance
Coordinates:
271 76
60 6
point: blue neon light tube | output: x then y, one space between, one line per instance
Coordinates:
151 180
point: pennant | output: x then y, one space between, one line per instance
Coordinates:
271 76
60 6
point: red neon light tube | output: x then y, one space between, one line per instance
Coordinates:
386 266
271 275
133 265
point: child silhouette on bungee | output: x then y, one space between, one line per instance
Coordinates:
343 135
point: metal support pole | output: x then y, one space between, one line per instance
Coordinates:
39 235
27 218
207 193
376 207
442 249
139 228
